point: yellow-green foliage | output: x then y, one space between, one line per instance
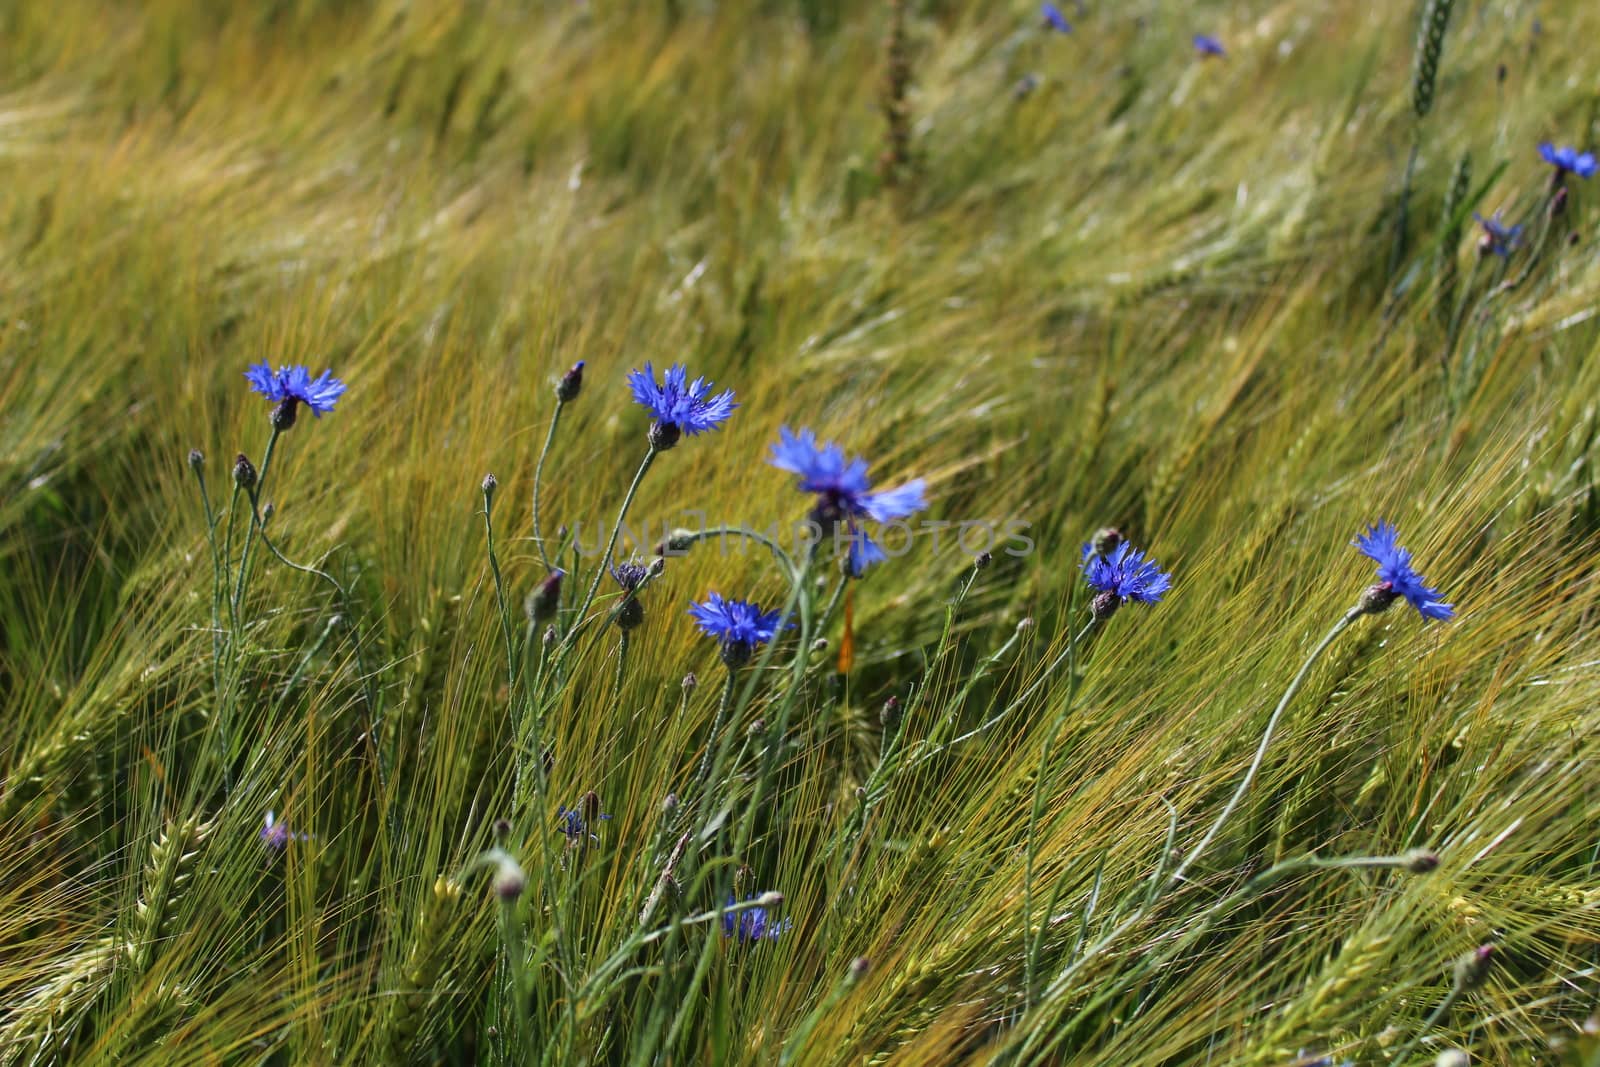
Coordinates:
1140 290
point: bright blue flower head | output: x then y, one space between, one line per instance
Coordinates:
844 493
677 404
1567 159
1054 19
753 924
738 625
1123 575
1208 45
1498 238
1396 577
295 385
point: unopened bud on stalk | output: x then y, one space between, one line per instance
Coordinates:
509 878
244 472
1105 540
1421 861
541 604
571 384
1473 968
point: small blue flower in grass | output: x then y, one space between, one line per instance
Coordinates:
1123 575
575 822
1396 577
276 835
678 405
1498 239
1568 160
844 493
1054 19
289 387
1208 45
757 923
738 625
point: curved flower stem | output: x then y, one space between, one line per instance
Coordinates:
1195 927
250 531
605 559
1261 749
1017 702
368 693
538 476
500 594
721 532
1035 943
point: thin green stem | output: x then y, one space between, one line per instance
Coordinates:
1041 776
1261 749
605 559
368 692
250 532
538 477
501 608
713 739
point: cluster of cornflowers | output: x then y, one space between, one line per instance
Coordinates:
843 501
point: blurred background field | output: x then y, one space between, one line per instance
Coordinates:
1234 306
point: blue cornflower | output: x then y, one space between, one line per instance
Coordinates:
844 492
1208 45
1054 19
1567 159
752 924
276 834
1396 577
738 625
289 387
1498 238
1125 574
573 825
678 404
